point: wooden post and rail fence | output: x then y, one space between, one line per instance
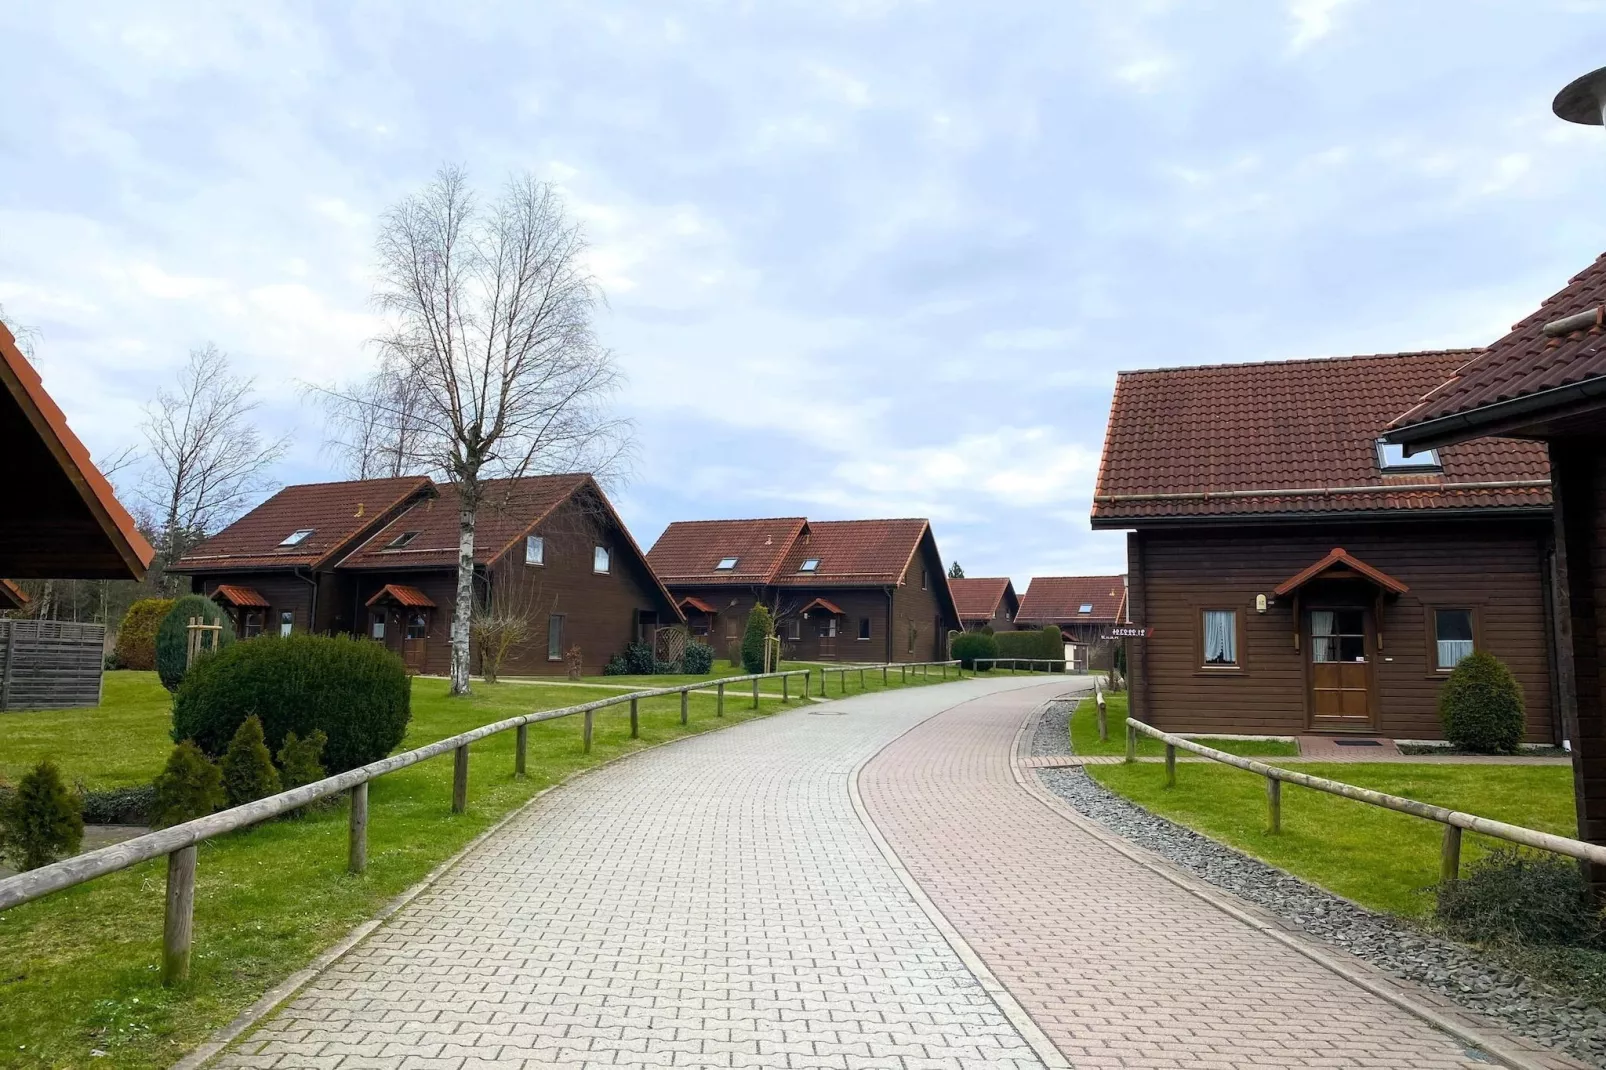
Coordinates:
1454 821
178 842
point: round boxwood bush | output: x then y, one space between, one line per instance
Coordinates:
136 635
971 647
698 660
1480 706
353 690
173 636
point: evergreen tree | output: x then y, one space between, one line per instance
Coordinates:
248 772
955 572
759 628
190 786
43 821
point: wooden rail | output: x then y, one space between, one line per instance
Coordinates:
904 669
179 842
1030 663
1454 821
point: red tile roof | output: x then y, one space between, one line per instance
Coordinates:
977 597
509 509
402 595
1059 600
698 604
821 603
243 597
1339 558
336 514
1293 437
12 596
853 553
1526 361
688 550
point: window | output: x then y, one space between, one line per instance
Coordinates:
295 537
793 628
810 564
287 621
1392 458
864 627
1337 635
925 579
534 550
599 559
1452 634
253 624
1220 646
828 628
1085 607
401 540
417 625
726 564
554 637
699 626
379 627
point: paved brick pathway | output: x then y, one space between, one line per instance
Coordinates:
1120 967
717 902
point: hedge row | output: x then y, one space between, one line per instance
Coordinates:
1045 643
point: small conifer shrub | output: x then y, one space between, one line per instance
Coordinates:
1480 706
248 772
300 760
759 628
136 635
188 787
42 821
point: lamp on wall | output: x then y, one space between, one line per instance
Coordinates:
1260 603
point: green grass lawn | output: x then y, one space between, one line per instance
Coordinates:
1085 735
1381 859
79 969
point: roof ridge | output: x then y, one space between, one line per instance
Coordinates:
1335 359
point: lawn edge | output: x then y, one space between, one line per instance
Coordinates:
1383 986
271 1001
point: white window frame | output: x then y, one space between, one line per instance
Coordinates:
287 623
810 565
298 536
726 564
1420 461
602 556
534 550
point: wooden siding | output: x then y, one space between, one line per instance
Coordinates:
917 607
284 592
1580 482
47 664
1498 568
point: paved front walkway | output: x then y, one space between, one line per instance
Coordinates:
1119 966
717 902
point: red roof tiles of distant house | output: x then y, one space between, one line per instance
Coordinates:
977 597
508 509
1526 362
850 553
1059 600
689 552
1294 437
330 515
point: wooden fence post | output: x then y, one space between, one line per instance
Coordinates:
1104 718
945 670
521 747
755 694
460 779
861 679
357 840
635 721
685 697
1274 804
178 931
883 676
786 687
586 733
1170 765
1131 744
719 703
1450 855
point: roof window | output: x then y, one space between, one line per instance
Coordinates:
1391 458
810 564
725 564
297 537
1085 607
401 540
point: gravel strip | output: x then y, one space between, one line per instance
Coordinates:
1457 971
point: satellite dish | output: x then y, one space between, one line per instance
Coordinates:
1584 99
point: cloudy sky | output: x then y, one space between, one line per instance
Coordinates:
862 257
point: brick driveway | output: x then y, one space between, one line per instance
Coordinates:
1120 967
717 902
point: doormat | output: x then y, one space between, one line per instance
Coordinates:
1358 742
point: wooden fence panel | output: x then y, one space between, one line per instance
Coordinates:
50 664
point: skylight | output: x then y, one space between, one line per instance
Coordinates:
401 540
295 537
1085 607
811 564
725 564
1392 458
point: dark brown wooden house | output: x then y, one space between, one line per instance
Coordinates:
1545 382
1300 575
840 590
379 558
1084 608
985 602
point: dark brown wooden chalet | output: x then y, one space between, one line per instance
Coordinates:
1083 607
379 558
1545 382
849 590
1300 575
985 602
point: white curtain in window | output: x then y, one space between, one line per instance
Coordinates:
1323 647
1220 637
1451 651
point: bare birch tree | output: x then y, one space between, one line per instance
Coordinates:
373 427
490 307
207 456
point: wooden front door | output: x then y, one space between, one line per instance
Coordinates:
1340 651
828 626
415 637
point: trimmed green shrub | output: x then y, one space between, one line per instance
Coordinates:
1523 897
1481 706
698 659
247 766
119 806
300 759
617 666
353 689
641 659
173 636
42 821
969 647
188 787
136 635
1044 643
759 628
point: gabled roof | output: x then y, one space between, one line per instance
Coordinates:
11 596
239 596
853 553
1523 374
1339 560
509 509
1295 437
62 520
1059 600
688 550
977 597
336 514
402 595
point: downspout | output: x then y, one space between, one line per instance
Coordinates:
889 624
310 580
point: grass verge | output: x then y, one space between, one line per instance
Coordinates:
1085 735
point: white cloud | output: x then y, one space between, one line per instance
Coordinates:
1313 20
